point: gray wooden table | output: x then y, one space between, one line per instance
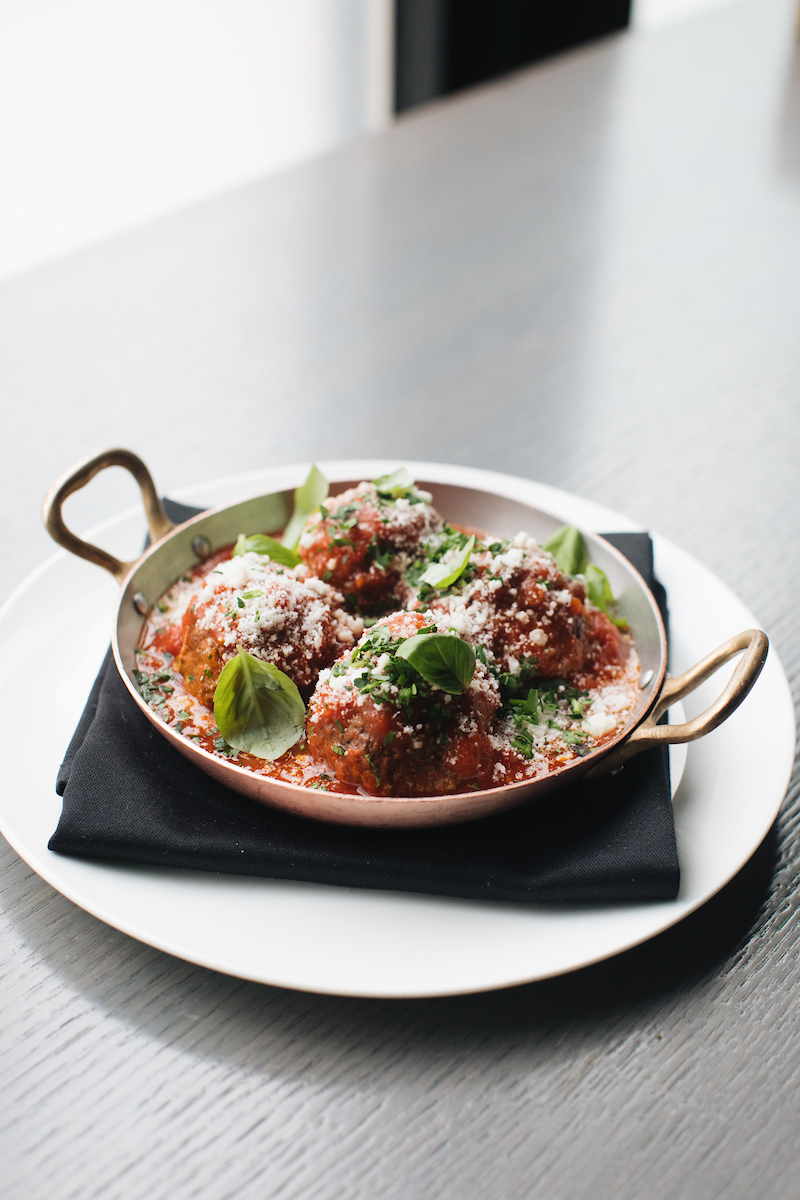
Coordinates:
588 274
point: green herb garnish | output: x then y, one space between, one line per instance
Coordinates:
568 548
307 499
529 707
441 659
398 483
372 768
598 589
257 708
260 543
155 687
444 574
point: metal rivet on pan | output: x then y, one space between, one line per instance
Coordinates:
648 675
139 603
201 546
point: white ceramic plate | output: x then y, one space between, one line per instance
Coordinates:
346 940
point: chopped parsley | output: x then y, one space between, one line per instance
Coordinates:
514 686
552 705
155 686
397 683
372 768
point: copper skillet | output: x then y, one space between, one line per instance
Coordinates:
176 548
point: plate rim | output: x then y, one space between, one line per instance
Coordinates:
475 477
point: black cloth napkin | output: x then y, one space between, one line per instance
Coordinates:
129 797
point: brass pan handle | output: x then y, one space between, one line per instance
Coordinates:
755 644
77 477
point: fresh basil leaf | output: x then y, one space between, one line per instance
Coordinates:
257 708
260 543
398 484
306 500
569 550
441 659
598 589
442 575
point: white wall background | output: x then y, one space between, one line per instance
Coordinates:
654 14
114 112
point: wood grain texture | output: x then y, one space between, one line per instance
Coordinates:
601 256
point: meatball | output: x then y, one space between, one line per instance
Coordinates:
541 615
285 617
358 539
516 603
607 650
379 726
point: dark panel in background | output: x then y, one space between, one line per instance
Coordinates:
442 46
